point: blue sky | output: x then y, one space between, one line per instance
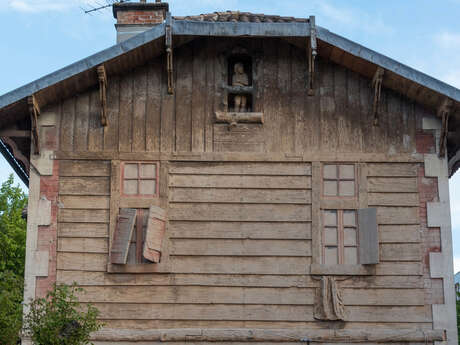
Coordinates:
41 36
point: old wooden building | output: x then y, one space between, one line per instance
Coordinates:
240 178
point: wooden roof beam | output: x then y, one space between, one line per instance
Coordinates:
34 113
444 112
102 77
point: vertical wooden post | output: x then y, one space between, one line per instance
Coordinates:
102 76
34 112
444 113
377 84
312 52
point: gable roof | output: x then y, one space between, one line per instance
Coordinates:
137 50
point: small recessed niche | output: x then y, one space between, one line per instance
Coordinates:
239 59
240 102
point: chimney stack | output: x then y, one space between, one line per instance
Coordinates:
136 17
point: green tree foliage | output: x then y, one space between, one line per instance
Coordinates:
12 260
12 228
11 290
60 319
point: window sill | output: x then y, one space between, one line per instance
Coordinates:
137 268
342 270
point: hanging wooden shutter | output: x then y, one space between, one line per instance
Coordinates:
122 236
156 225
368 236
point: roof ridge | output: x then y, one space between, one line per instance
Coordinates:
239 16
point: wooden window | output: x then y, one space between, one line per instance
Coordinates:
340 237
139 179
339 180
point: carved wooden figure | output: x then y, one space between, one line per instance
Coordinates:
240 78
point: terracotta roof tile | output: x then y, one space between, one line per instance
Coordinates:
236 16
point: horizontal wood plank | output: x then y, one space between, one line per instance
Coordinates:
86 230
226 247
392 170
237 230
392 185
82 262
393 199
83 216
248 196
399 269
237 212
240 181
399 233
84 186
209 168
83 245
84 202
400 252
82 168
398 215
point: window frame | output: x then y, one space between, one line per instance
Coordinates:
139 179
338 180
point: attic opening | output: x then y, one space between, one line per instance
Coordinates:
243 60
240 83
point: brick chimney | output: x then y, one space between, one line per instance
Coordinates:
136 17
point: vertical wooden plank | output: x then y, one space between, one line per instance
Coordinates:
153 111
115 183
184 83
139 104
395 123
316 213
199 99
271 96
368 236
126 113
113 104
286 116
362 185
210 61
327 107
81 122
299 98
96 130
67 124
154 234
139 234
353 111
312 120
122 236
369 130
344 125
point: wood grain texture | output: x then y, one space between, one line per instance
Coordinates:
84 168
84 186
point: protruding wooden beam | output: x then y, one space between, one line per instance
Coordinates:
234 118
102 76
444 112
34 112
377 85
169 53
312 50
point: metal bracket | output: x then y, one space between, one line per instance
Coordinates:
102 76
312 51
377 85
34 112
169 53
444 112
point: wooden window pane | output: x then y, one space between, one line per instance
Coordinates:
347 188
130 187
148 171
349 236
330 217
330 188
349 218
330 172
350 255
331 256
130 171
147 187
330 236
347 172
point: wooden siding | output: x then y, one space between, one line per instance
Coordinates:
144 118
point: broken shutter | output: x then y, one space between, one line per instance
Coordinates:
122 236
155 233
368 236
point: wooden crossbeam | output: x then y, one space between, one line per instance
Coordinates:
169 53
377 85
312 51
102 76
14 133
34 112
444 112
234 118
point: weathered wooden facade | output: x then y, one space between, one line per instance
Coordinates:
309 202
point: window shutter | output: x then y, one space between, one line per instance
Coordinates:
122 236
155 232
368 236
